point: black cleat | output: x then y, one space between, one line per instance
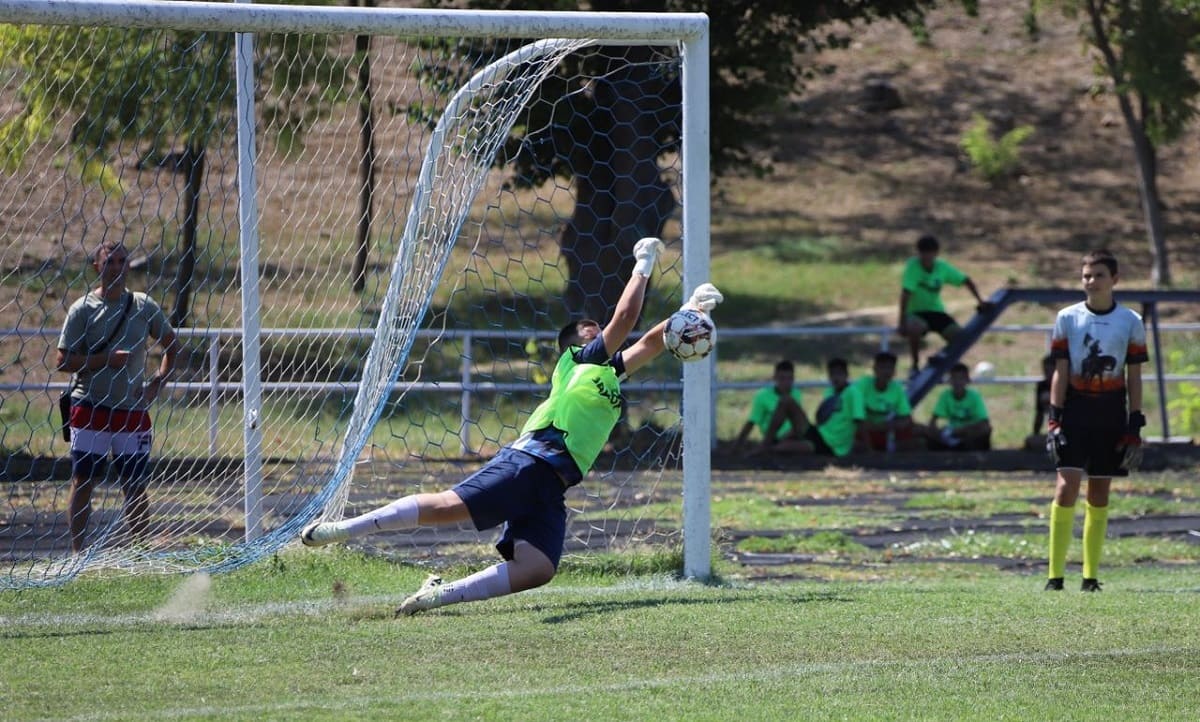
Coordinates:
1054 585
1090 585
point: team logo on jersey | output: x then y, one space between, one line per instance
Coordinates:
612 394
1096 364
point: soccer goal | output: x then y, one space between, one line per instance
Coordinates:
366 225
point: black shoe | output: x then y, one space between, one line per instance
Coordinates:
1090 585
1055 584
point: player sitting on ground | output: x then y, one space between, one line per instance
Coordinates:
967 427
524 485
775 411
888 425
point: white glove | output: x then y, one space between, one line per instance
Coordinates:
646 253
705 298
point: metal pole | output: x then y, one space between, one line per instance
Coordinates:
1151 310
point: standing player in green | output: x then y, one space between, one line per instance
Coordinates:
1099 347
921 307
524 485
967 427
888 425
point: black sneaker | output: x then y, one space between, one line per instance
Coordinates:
1090 585
1055 584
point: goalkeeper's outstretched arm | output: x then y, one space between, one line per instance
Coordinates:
629 307
705 298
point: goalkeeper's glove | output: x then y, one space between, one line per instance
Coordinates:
705 298
646 253
1131 441
1056 440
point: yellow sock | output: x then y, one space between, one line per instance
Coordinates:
1095 526
1062 521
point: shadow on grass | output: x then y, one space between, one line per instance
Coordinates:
580 610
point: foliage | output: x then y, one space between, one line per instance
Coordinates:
994 158
1185 403
758 51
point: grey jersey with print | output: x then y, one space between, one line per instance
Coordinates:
91 320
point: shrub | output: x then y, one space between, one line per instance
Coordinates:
994 159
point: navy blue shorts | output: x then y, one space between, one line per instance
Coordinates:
525 494
936 321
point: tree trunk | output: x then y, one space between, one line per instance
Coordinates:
191 220
366 159
620 197
1143 150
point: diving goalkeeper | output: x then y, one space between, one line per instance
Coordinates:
524 485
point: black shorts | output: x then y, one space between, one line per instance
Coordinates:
818 442
1092 436
936 321
524 493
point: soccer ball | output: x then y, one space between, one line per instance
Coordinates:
689 334
984 370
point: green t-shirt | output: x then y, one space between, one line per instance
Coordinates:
926 286
880 404
762 408
968 410
837 418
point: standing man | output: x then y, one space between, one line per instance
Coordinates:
524 486
921 307
103 345
1098 347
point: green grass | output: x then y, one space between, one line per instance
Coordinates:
276 642
943 625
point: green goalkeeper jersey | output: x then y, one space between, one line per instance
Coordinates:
584 406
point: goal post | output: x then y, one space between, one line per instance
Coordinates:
289 375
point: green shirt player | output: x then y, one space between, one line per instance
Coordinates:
888 425
921 307
774 411
831 433
524 485
967 426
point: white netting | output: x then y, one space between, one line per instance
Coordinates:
111 133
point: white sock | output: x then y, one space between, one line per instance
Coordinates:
491 582
400 514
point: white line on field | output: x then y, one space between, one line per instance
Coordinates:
757 675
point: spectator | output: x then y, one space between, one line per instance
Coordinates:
1041 406
103 346
967 427
776 412
888 425
921 307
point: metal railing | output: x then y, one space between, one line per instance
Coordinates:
467 386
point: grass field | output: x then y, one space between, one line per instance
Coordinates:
812 616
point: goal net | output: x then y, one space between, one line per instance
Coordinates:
366 226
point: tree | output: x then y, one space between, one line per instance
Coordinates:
757 50
1147 49
156 89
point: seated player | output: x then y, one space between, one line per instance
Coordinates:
775 411
967 427
888 425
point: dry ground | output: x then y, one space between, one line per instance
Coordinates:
878 180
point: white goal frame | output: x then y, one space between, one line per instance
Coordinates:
688 31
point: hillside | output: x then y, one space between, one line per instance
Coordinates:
874 181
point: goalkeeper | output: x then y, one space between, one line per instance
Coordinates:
524 485
1099 347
